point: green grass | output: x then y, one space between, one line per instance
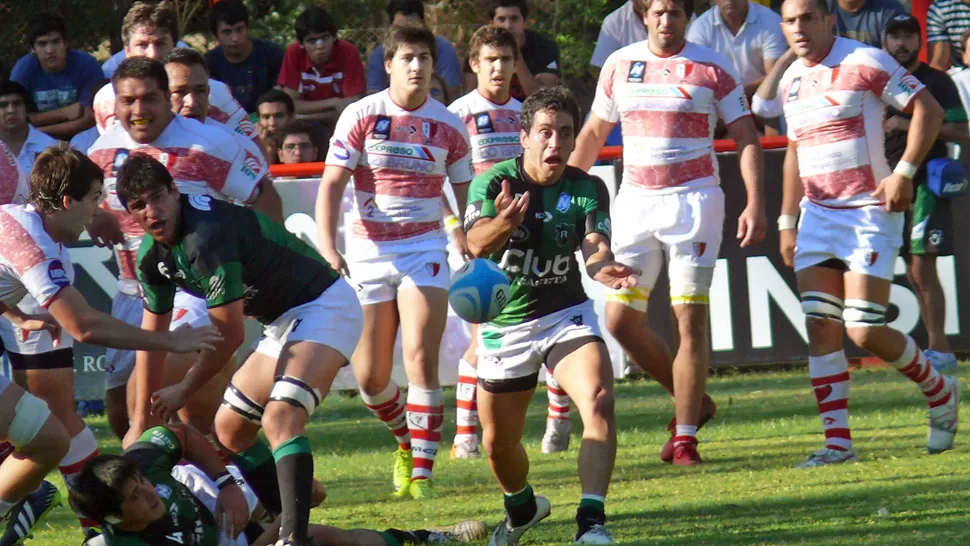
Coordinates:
746 492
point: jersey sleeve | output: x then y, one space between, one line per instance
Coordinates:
729 94
45 280
156 451
347 142
481 197
247 171
597 209
889 81
604 104
935 25
158 292
217 266
460 169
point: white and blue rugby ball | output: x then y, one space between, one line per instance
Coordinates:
479 291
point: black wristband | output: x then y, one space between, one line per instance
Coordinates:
224 480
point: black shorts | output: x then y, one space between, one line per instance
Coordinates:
53 360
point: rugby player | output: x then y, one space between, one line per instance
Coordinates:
842 210
531 214
670 203
245 264
399 146
140 503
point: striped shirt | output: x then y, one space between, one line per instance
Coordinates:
835 111
946 21
669 108
399 159
30 261
494 129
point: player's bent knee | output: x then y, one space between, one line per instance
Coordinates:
295 392
235 400
823 307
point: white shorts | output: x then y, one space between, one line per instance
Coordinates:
684 228
378 279
333 319
207 492
119 363
865 239
19 342
514 352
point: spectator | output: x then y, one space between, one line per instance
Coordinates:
83 141
962 78
747 33
439 90
622 27
249 66
401 12
276 110
301 141
538 64
321 73
58 78
946 21
864 20
24 140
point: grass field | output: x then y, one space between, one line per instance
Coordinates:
746 492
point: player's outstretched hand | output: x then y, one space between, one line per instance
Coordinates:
36 323
104 229
186 339
166 402
752 226
336 261
232 511
897 191
511 208
786 245
614 275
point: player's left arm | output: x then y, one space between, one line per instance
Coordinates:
733 108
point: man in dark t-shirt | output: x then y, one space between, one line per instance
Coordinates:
864 20
929 230
249 66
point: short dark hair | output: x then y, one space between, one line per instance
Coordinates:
45 23
230 12
140 175
11 87
314 19
141 68
97 490
276 95
186 57
404 7
688 5
61 171
491 35
523 6
399 35
555 98
158 15
297 127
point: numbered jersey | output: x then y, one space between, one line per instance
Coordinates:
30 261
203 160
540 256
399 159
669 107
493 129
13 181
227 253
835 111
187 522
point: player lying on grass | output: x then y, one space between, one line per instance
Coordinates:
140 503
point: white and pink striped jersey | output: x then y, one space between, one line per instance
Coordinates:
14 185
494 129
223 108
203 160
668 108
835 111
30 261
399 159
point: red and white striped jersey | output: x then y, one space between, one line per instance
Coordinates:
30 261
668 108
835 111
203 160
14 185
223 108
494 129
399 159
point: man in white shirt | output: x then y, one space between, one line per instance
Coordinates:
622 27
962 78
24 140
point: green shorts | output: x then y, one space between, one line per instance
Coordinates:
929 228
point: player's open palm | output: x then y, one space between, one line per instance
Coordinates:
786 244
187 339
232 511
614 275
897 192
511 208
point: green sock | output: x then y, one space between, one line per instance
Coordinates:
521 506
389 539
294 468
594 504
520 498
259 469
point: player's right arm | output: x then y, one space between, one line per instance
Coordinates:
791 196
146 378
766 102
603 117
493 214
342 156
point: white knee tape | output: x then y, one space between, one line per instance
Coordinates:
238 402
821 306
862 313
294 391
29 417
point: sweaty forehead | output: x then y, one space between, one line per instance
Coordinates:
149 33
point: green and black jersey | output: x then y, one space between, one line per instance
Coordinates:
226 253
187 522
540 256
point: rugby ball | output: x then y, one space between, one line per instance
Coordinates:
479 291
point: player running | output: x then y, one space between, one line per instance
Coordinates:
670 94
845 244
531 214
142 504
245 264
399 145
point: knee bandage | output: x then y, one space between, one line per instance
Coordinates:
238 402
822 306
862 313
689 284
29 417
295 392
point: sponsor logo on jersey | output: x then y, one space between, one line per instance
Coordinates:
796 84
160 438
870 257
429 129
340 150
163 491
637 71
533 272
564 201
433 268
562 234
382 128
472 213
120 157
605 226
409 129
483 122
246 128
908 83
936 237
398 155
520 234
700 247
217 287
201 202
545 216
57 274
658 91
251 165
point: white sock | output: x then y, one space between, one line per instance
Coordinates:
686 430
